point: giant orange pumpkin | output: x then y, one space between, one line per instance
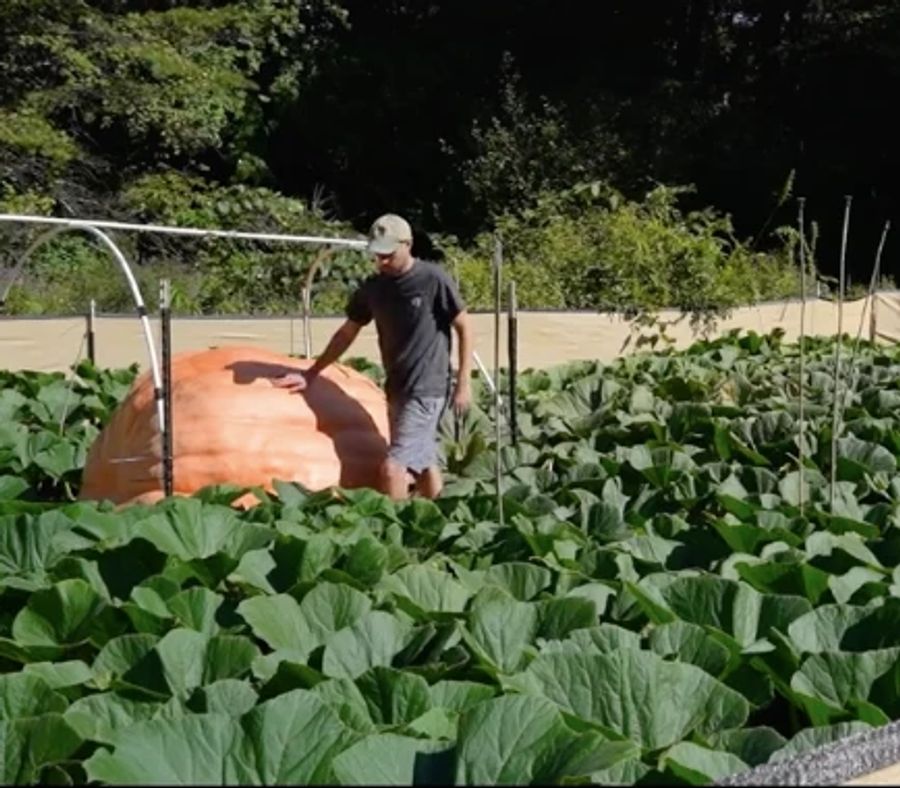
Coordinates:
232 425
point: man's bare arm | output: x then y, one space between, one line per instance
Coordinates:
337 345
463 394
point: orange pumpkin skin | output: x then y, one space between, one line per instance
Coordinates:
230 424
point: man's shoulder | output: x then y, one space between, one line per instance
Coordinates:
368 283
431 269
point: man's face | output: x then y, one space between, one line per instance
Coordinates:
394 263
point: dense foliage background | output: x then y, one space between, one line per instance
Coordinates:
594 136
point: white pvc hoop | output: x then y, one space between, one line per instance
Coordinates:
91 225
350 243
132 284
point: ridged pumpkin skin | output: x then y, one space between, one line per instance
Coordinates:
232 425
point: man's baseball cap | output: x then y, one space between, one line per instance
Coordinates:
387 233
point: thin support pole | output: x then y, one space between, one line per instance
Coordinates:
873 319
801 456
873 286
456 418
512 340
89 332
836 409
492 387
870 297
498 279
306 300
165 316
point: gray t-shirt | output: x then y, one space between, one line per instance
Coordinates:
412 313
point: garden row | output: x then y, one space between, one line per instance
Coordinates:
660 593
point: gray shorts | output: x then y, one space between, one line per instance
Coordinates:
414 426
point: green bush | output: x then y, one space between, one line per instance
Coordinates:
589 248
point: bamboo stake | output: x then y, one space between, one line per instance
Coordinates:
512 345
870 298
836 410
498 266
873 284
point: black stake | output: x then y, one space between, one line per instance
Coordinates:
89 332
166 334
512 338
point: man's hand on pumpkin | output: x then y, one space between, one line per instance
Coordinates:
293 381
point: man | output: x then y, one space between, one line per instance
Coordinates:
414 304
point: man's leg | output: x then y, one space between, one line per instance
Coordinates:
392 476
394 480
430 482
414 424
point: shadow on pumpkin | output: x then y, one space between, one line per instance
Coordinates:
354 432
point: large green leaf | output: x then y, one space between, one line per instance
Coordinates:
734 608
27 745
228 696
344 697
185 659
823 629
601 639
293 739
858 457
698 765
70 673
278 621
793 577
523 740
11 487
523 581
838 679
285 624
813 738
101 716
459 695
330 607
196 608
754 746
391 759
64 614
692 644
29 545
193 530
436 724
429 590
500 628
367 561
27 695
199 749
635 693
392 696
119 655
375 639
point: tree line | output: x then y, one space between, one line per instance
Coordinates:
305 114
